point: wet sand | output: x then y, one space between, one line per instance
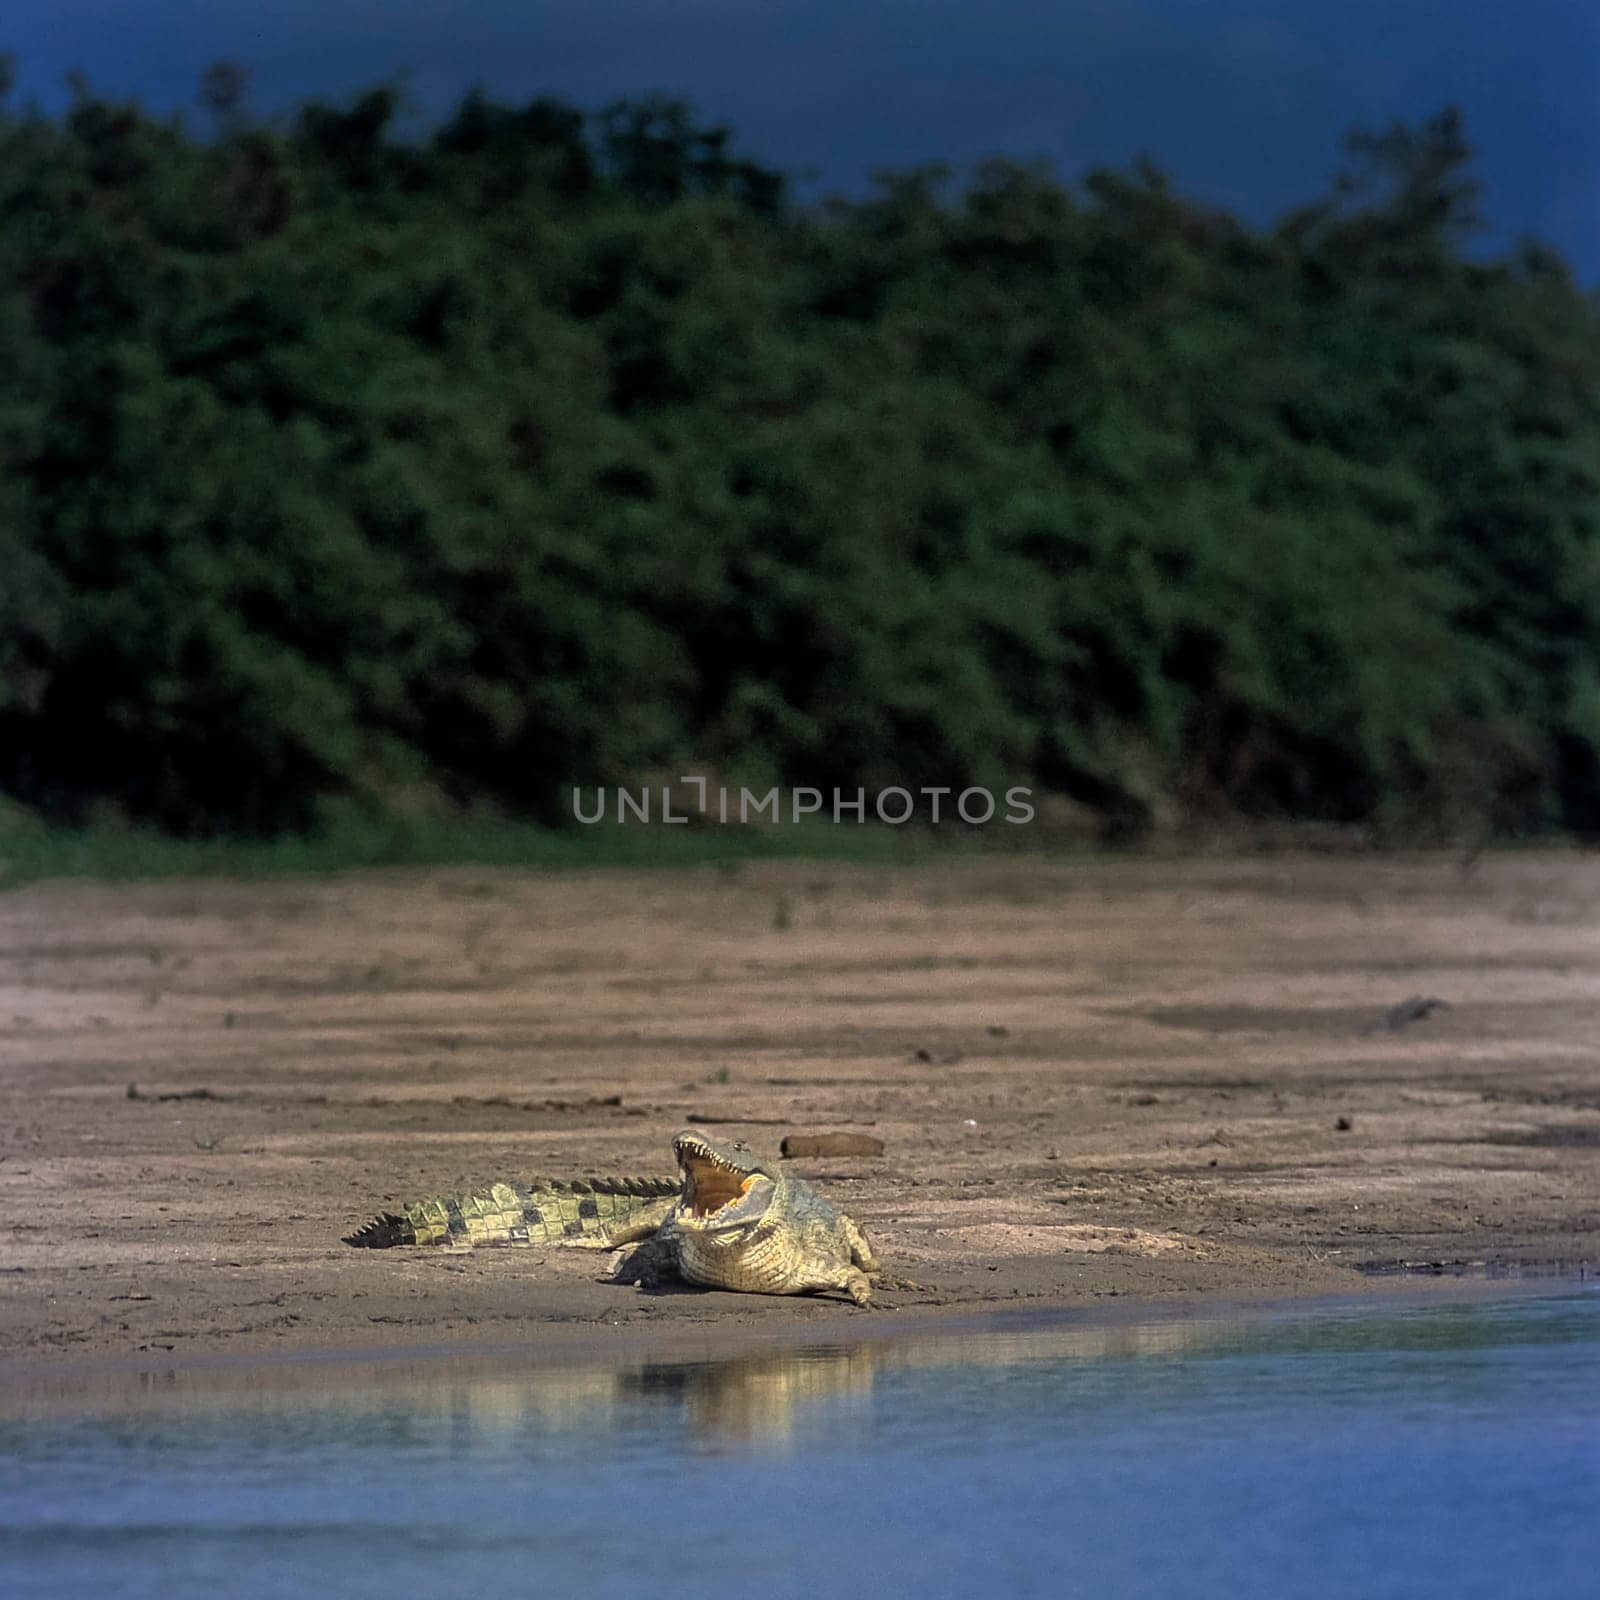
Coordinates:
1097 1081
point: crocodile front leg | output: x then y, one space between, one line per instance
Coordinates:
860 1251
655 1259
861 1256
653 1263
830 1275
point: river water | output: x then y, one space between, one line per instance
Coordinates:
1362 1450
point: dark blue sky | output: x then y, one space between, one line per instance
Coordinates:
1242 100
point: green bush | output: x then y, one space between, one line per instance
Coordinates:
344 470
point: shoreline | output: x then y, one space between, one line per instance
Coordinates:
29 1385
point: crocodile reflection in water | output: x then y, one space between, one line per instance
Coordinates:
725 1401
755 1397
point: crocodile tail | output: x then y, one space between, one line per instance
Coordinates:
382 1233
520 1214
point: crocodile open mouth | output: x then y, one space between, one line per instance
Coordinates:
710 1183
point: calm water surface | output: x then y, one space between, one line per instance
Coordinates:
1452 1449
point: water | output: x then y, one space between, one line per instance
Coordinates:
1449 1449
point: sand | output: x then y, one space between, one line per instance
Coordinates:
1097 1081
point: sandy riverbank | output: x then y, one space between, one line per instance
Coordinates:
1139 1079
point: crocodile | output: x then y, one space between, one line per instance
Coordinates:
742 1223
730 1221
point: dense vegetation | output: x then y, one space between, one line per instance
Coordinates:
344 469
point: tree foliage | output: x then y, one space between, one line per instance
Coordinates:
551 450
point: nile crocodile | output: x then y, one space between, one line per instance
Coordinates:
731 1222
